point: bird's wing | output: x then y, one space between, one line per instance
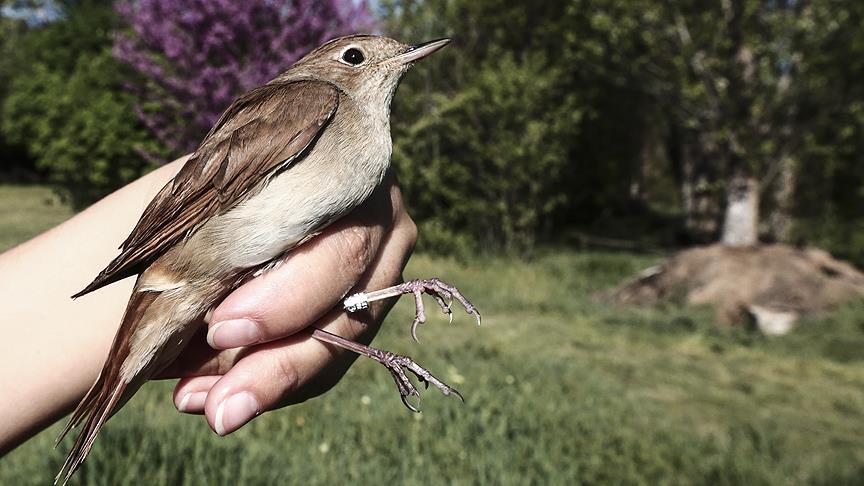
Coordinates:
234 159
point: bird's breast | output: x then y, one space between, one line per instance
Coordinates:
334 178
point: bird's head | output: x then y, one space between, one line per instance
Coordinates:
365 67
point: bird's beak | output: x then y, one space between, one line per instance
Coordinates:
419 51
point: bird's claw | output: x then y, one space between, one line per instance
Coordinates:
408 404
439 290
398 364
443 293
414 326
445 306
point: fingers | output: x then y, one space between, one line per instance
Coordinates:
200 359
191 393
296 368
292 369
313 279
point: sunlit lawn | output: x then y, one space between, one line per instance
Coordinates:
26 211
559 389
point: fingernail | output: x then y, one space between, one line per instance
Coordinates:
235 411
233 334
192 402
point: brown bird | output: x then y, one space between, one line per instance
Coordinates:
284 161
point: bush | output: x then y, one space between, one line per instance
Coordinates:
487 162
193 58
70 110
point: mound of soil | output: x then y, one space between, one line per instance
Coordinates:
770 285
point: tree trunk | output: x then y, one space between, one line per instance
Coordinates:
740 224
780 219
700 205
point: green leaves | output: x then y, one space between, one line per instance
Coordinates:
487 160
537 119
70 111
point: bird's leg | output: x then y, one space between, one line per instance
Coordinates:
395 364
442 292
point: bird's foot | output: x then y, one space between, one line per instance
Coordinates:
443 293
396 364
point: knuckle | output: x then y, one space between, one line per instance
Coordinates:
356 248
411 232
225 361
289 375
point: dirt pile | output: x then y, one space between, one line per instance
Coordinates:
770 285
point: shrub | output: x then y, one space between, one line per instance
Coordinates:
194 57
487 161
67 106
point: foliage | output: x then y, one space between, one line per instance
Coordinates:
482 132
194 57
496 141
66 105
10 31
14 160
660 95
571 116
831 202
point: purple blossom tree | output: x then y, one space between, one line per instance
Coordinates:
193 57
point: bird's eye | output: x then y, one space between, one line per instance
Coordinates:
353 56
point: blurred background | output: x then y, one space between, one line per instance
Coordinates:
658 206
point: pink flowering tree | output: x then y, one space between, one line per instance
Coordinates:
193 57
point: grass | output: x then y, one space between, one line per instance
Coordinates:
560 389
26 211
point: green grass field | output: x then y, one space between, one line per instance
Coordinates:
27 211
560 389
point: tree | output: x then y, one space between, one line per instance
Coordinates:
194 57
829 207
496 140
723 79
67 106
741 70
485 132
16 16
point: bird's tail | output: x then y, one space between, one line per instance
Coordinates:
108 393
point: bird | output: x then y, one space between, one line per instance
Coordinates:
284 161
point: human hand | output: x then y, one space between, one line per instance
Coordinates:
259 358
